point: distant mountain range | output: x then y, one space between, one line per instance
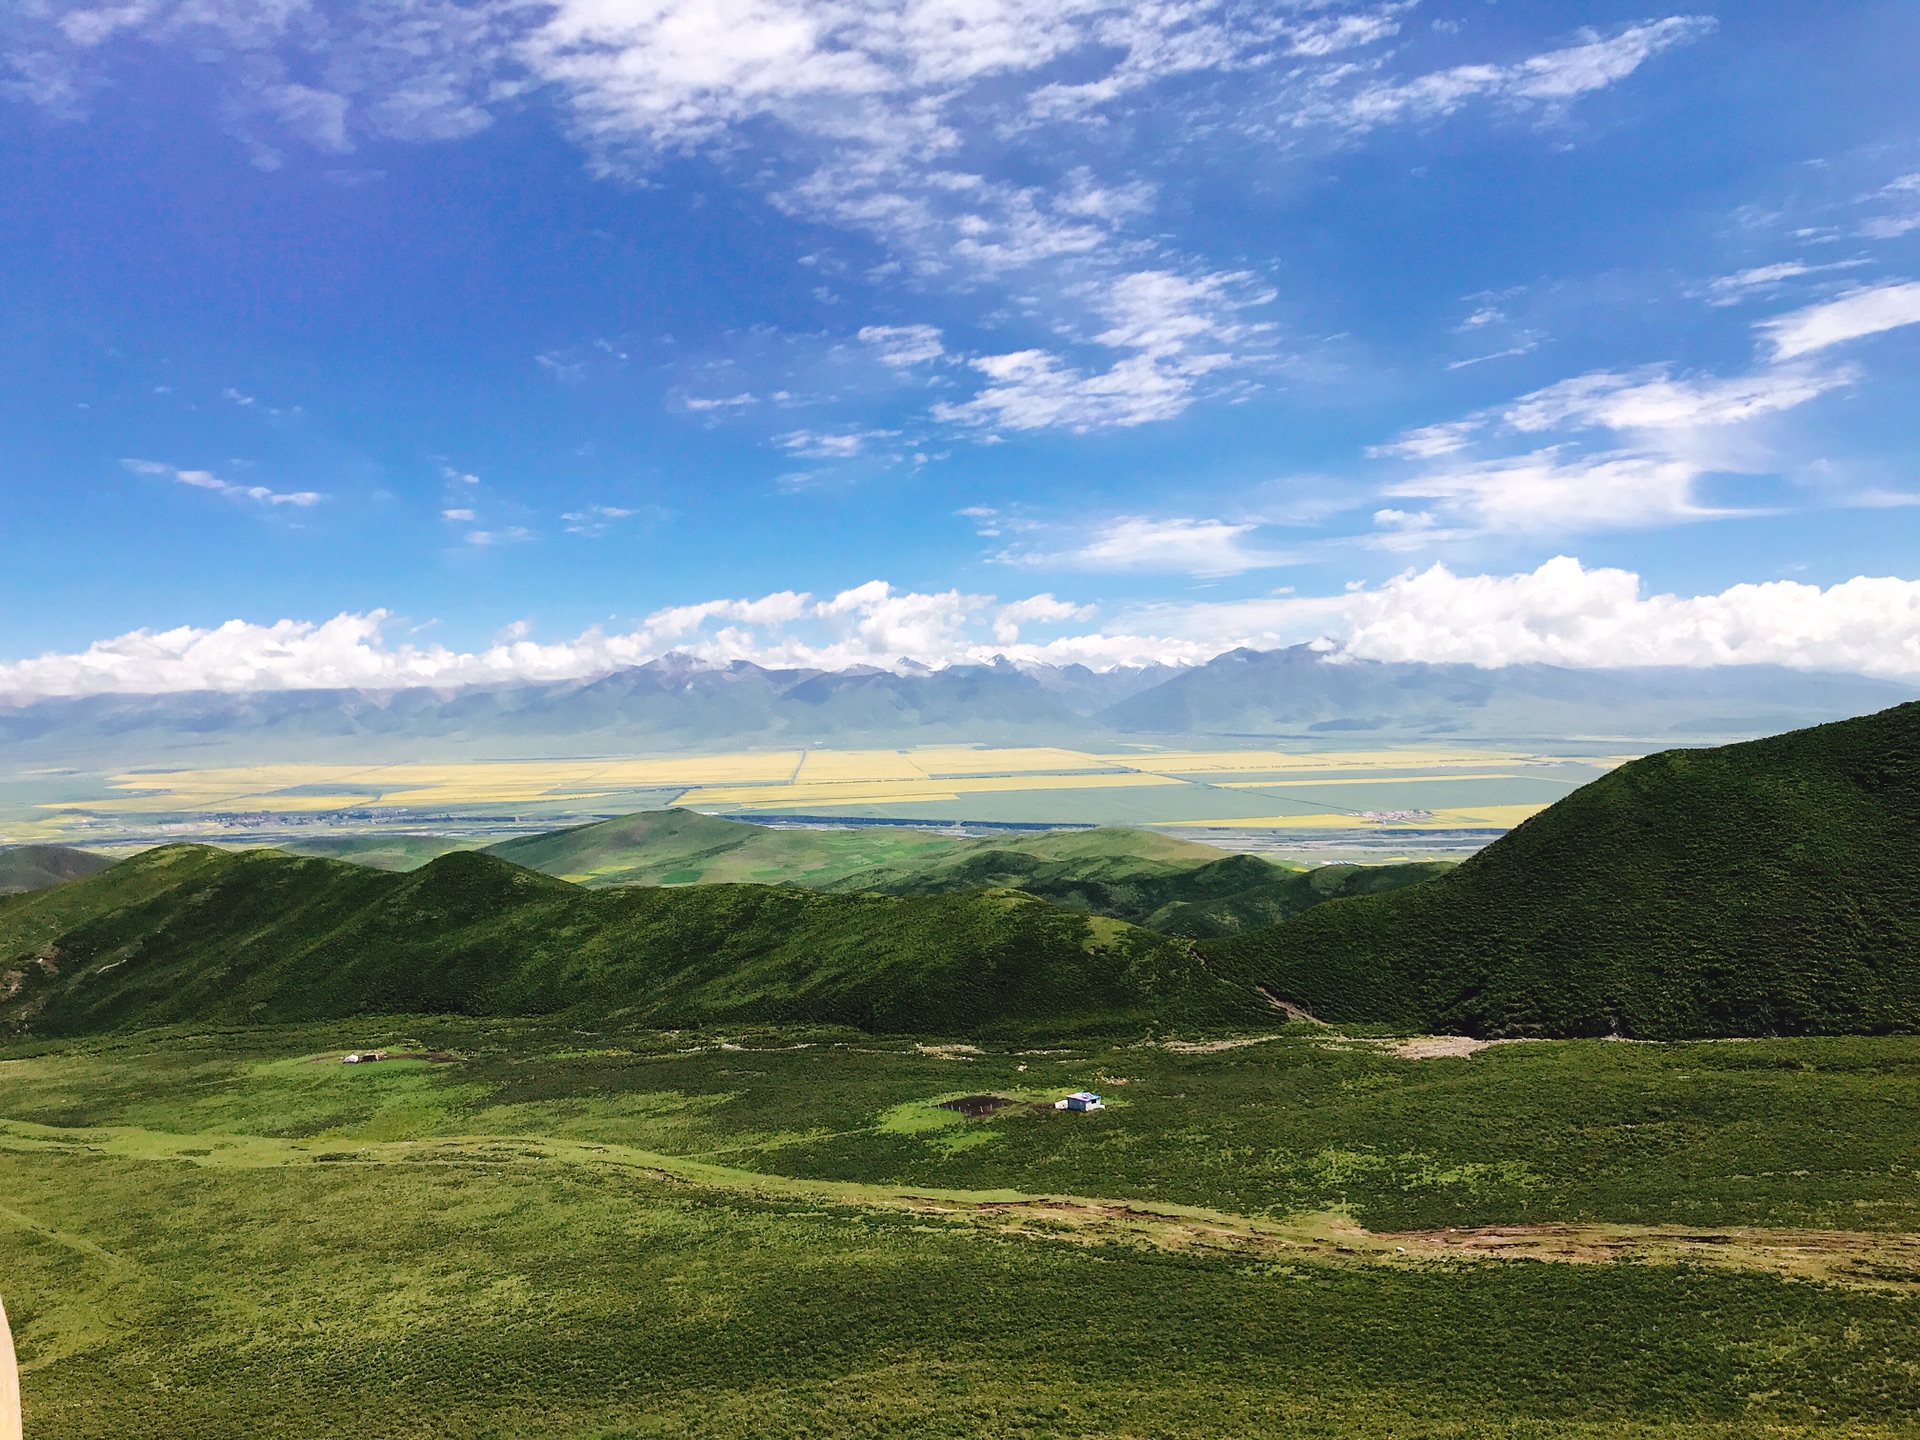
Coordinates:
673 703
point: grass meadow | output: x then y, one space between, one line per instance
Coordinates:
542 1232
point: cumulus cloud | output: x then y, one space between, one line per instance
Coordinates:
207 480
871 624
1565 614
1561 613
1869 310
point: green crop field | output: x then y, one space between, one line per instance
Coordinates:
530 1230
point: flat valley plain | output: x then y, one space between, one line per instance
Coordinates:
518 1229
1416 801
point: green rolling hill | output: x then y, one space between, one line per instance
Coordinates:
1175 886
1770 887
35 867
684 847
189 933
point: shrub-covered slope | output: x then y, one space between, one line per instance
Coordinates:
186 933
1222 896
1771 887
35 867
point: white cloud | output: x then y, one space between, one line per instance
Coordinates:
1174 546
1866 311
1565 614
1652 400
1549 80
819 445
595 520
207 480
1765 279
904 345
1550 492
1678 431
1172 331
728 402
1561 614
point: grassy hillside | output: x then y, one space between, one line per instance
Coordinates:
382 852
188 933
35 867
1179 887
1225 895
684 847
1771 887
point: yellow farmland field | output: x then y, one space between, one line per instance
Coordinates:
826 767
875 793
958 760
1204 762
1337 779
1023 784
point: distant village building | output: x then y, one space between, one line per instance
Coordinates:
364 1057
1080 1101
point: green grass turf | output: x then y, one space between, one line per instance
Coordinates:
196 1287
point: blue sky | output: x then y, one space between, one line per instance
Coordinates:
1062 328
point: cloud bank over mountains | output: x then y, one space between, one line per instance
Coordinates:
1559 614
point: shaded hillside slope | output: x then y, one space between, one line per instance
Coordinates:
35 867
1100 873
187 933
1771 887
